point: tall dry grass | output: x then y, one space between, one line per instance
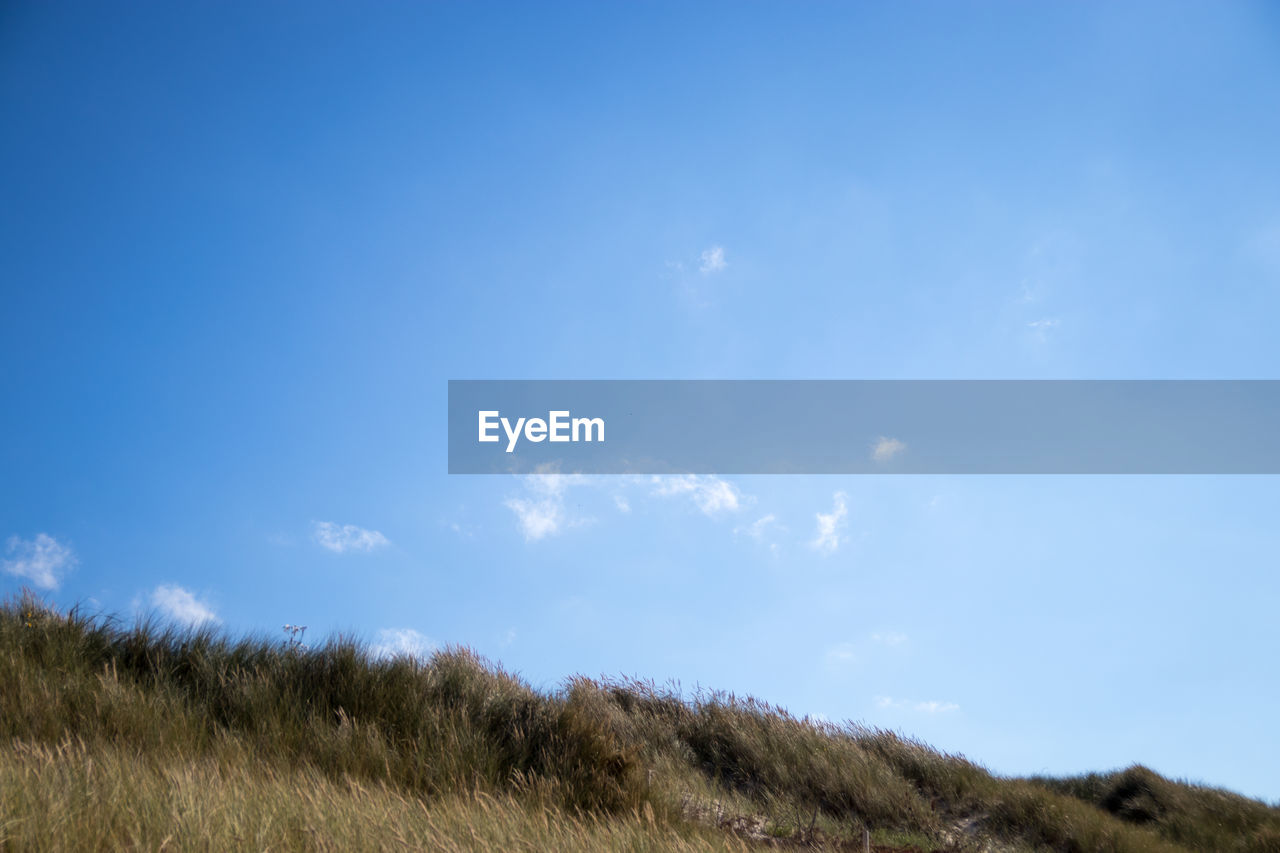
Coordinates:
143 736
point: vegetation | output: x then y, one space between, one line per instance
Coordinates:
146 736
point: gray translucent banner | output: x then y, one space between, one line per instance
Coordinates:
864 427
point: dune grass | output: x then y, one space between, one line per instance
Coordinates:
148 737
73 796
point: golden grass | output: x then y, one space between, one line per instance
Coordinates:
151 739
73 796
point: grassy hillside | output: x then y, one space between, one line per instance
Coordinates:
117 736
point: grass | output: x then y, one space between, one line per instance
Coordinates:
144 736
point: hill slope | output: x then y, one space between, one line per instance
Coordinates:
143 736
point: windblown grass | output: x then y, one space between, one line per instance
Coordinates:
75 797
144 736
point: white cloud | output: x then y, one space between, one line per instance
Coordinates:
756 529
537 518
712 261
829 526
403 642
541 512
340 538
180 605
931 706
1028 292
466 531
548 481
43 560
711 494
1041 328
886 448
935 707
841 654
542 507
889 638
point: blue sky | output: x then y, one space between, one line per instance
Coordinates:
243 248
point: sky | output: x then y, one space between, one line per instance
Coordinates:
244 246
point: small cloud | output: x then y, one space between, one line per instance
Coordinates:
621 502
537 518
340 538
180 605
403 642
829 526
931 706
508 638
936 707
757 528
43 561
541 513
546 480
466 531
841 654
1042 328
889 638
886 448
711 494
712 261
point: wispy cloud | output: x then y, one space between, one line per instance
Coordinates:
931 706
180 605
537 518
403 642
757 528
710 494
841 654
889 638
466 531
540 512
935 707
341 538
1042 328
830 525
43 560
542 507
712 261
886 448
